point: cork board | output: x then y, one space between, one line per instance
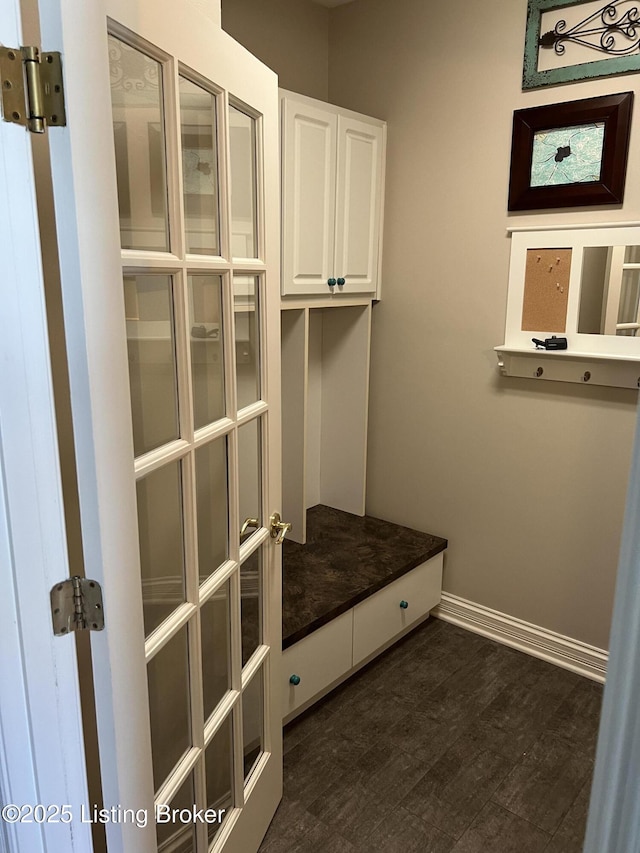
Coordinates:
546 290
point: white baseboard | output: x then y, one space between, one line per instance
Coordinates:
555 648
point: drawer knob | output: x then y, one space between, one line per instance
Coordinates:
295 679
404 604
331 282
341 282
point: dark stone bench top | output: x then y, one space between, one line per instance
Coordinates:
346 559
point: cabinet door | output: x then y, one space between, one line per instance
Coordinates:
308 197
315 662
394 609
358 207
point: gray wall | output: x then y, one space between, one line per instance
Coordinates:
290 36
526 479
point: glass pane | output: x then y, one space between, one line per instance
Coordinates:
567 155
252 701
242 141
174 836
629 307
251 604
207 367
161 543
218 760
593 282
250 455
152 360
168 678
138 129
247 326
212 506
199 168
215 621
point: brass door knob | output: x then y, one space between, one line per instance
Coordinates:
249 522
278 528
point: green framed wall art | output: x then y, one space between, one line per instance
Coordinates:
604 36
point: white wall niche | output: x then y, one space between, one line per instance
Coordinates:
325 401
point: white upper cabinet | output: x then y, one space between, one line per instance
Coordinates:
332 198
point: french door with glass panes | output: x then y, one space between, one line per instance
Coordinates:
174 366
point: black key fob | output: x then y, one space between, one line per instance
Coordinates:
550 343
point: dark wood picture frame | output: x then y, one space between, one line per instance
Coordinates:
614 111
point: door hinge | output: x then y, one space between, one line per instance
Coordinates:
31 87
76 605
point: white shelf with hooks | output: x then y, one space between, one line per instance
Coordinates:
582 284
569 366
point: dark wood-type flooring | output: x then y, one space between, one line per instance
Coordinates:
447 742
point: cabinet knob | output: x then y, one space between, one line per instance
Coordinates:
295 679
404 604
331 282
341 282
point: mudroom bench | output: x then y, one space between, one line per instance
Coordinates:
354 588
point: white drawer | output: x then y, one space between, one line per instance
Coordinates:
317 660
378 619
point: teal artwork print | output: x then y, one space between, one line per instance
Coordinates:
568 155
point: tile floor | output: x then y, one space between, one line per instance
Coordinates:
448 743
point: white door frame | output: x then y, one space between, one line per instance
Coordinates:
614 814
94 319
41 745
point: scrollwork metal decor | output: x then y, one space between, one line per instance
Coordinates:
607 30
604 42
